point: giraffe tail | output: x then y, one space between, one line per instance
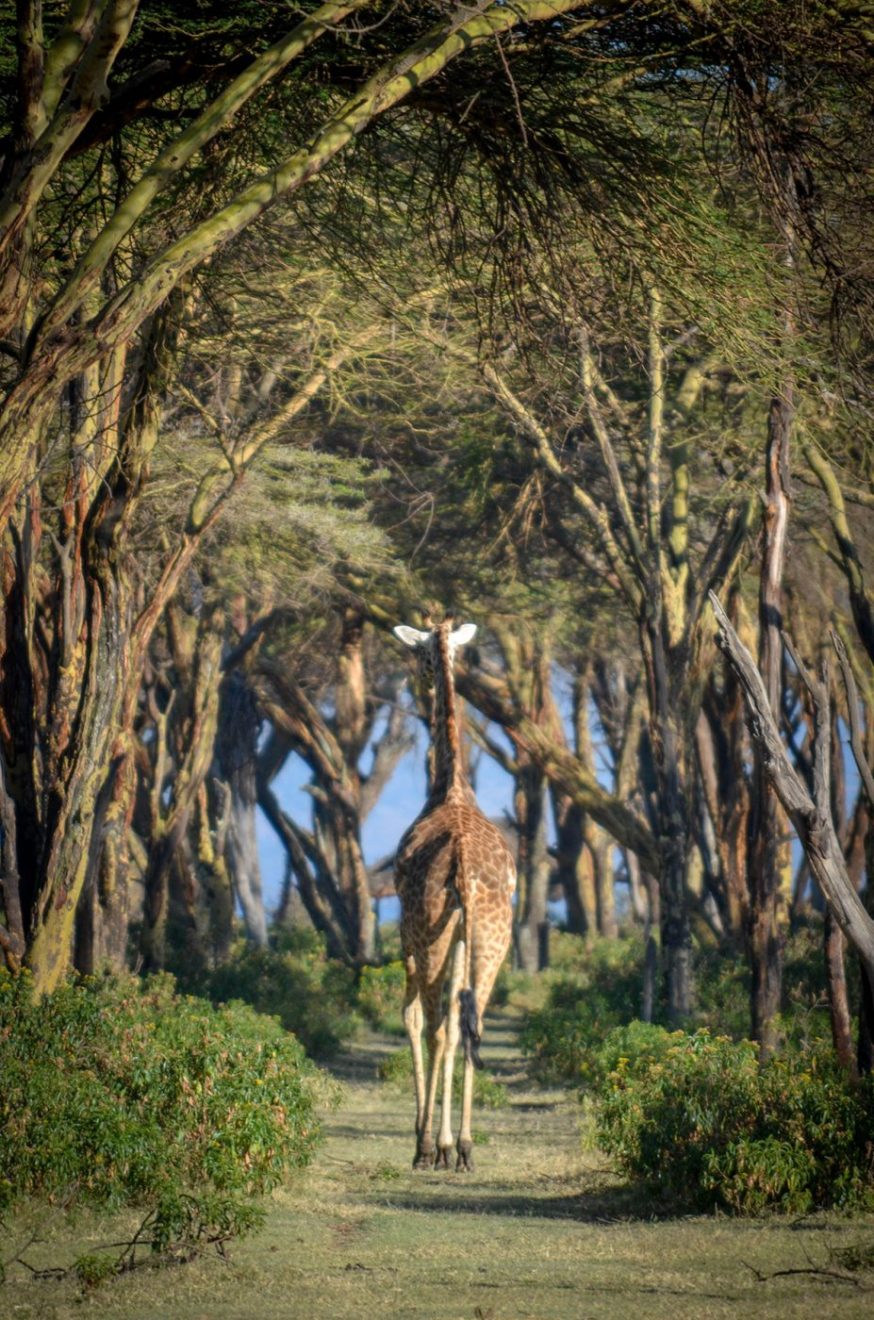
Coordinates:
465 885
470 1028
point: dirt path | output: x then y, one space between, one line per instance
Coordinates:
540 1229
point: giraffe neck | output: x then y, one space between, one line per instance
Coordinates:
449 779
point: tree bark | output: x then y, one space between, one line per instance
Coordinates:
766 925
237 749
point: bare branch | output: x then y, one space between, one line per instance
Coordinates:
812 817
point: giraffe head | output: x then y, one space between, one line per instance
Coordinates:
427 644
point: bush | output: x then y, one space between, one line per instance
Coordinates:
631 1047
700 1122
122 1093
723 992
311 994
564 1036
380 996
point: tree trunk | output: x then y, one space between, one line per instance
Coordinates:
570 864
810 814
838 1003
674 840
766 924
237 748
532 866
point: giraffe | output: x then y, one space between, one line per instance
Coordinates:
455 878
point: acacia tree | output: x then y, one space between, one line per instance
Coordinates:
644 537
326 854
77 330
120 182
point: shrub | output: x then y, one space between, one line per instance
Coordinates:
311 994
600 988
631 1047
723 992
120 1092
380 996
700 1122
564 1036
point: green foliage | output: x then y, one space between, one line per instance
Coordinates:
604 992
380 996
634 1046
92 1270
701 1123
396 1069
121 1092
311 994
723 992
599 988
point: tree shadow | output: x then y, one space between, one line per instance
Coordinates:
610 1205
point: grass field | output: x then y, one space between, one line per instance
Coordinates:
542 1229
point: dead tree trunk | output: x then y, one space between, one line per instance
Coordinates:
810 813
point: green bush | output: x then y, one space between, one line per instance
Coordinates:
633 1047
701 1123
121 1092
722 986
310 993
605 992
380 996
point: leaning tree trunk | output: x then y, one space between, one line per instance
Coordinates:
811 814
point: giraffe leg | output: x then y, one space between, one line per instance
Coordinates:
413 1024
425 1149
444 1141
464 1162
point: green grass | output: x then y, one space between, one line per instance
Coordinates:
542 1229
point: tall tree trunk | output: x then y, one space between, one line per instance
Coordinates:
839 1007
237 748
674 840
532 866
766 926
570 863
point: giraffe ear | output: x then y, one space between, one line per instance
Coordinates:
461 636
410 636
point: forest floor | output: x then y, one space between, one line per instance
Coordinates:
541 1229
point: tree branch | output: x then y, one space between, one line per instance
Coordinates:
811 816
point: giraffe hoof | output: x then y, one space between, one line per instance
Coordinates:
443 1154
464 1163
424 1158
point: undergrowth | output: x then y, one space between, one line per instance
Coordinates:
121 1093
690 1113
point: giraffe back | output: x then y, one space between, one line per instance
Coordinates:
450 852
